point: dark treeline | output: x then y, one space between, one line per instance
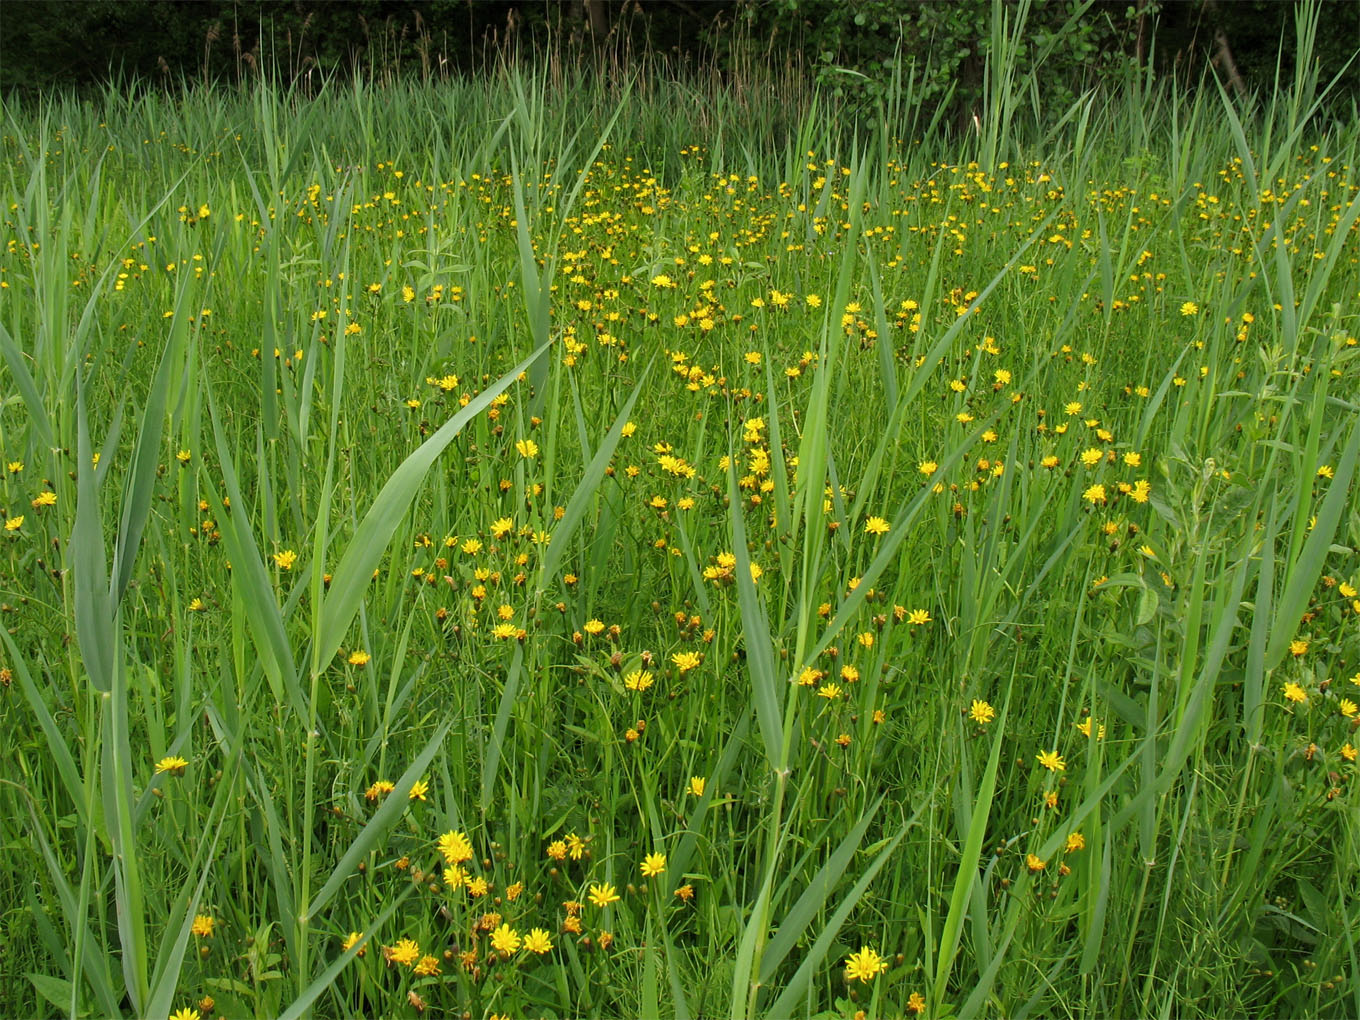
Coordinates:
855 48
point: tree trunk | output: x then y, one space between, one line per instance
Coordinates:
598 16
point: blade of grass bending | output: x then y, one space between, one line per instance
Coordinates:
1253 683
257 592
928 364
814 897
275 863
327 977
952 932
116 779
587 487
680 858
375 531
679 1005
93 607
536 289
502 723
886 368
141 477
651 1000
887 549
1303 574
756 638
92 963
385 817
743 979
787 1002
165 979
28 389
56 744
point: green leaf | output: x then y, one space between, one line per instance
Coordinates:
394 804
375 531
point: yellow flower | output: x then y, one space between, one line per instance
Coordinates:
350 940
1075 841
505 939
696 785
981 712
1085 728
203 926
427 967
638 680
1035 863
184 1014
1095 494
1348 708
379 789
174 765
864 965
653 865
527 448
284 560
916 1003
405 952
418 790
875 526
1298 646
14 523
538 941
1051 761
1189 308
358 657
686 661
927 467
1294 693
44 499
917 617
455 847
603 894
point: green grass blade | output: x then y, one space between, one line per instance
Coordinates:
1301 576
787 1004
586 489
967 875
365 549
383 819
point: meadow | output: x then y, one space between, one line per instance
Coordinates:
553 546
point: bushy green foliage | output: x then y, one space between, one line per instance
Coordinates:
938 50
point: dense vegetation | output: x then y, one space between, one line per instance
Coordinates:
681 552
857 52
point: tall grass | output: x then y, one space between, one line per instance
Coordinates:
714 510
